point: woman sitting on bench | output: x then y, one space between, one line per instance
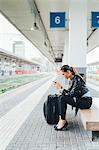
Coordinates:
77 95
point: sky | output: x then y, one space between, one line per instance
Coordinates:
9 34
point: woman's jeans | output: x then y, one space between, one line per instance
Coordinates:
82 103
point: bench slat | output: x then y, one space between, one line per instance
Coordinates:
90 118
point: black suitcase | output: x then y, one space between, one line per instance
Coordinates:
50 109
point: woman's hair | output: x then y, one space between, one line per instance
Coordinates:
74 71
64 68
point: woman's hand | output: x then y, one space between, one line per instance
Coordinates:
57 85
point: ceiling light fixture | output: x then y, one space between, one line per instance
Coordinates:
34 27
45 43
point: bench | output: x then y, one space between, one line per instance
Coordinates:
90 120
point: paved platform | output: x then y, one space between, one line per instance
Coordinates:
12 121
36 134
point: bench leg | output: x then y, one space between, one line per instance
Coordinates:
95 135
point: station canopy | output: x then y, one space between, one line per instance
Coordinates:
32 19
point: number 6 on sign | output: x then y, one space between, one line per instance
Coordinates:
57 20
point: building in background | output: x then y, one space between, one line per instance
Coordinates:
11 64
19 48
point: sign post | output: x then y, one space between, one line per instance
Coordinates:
95 19
57 19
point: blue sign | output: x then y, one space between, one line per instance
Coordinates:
95 19
57 19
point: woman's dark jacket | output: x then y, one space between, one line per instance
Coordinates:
77 88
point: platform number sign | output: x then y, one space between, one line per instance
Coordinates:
57 19
95 19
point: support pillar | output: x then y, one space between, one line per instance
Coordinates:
65 55
78 34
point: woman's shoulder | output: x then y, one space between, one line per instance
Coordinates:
78 77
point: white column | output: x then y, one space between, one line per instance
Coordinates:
78 34
65 55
